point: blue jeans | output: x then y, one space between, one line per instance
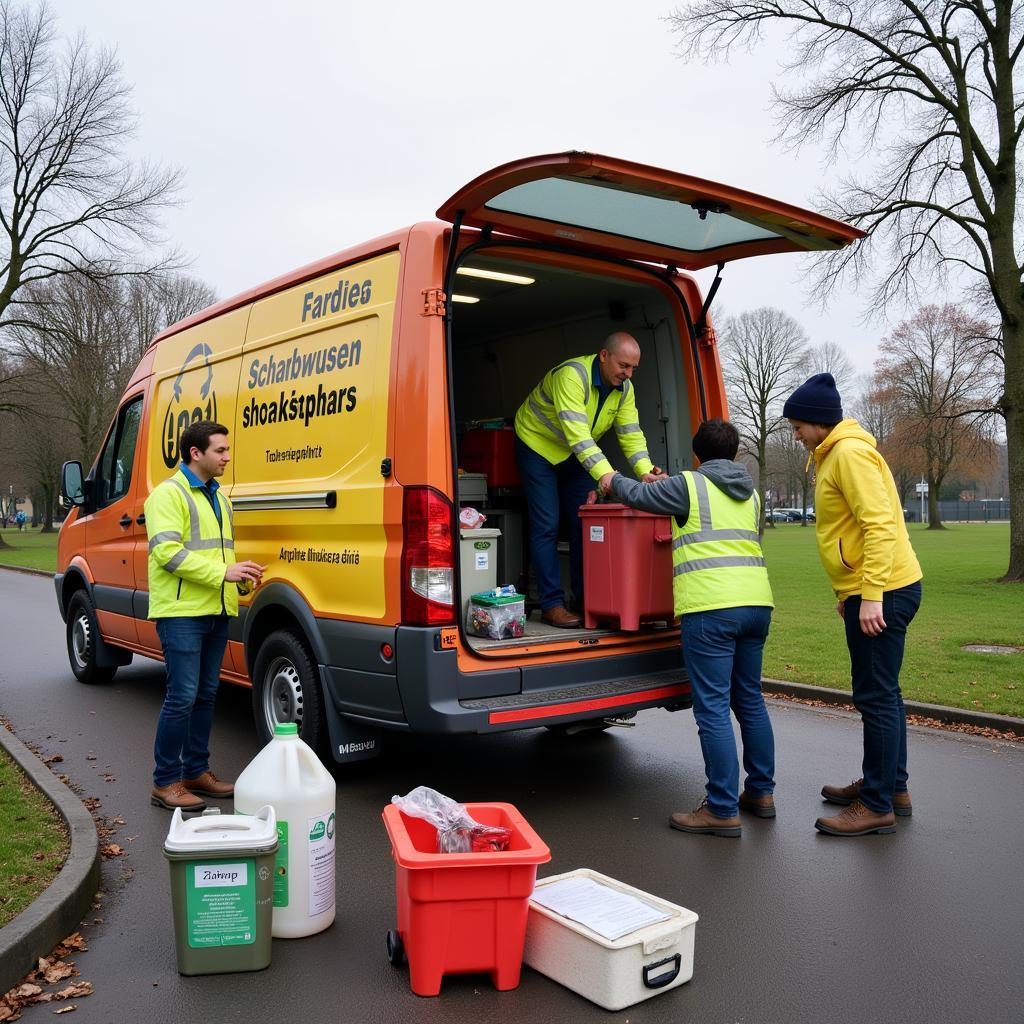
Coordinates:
193 652
722 650
875 663
550 490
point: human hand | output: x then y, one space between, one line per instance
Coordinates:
605 483
656 473
871 621
839 609
244 572
591 498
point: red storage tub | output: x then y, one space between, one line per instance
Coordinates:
463 913
627 566
492 452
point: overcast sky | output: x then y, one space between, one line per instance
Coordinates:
307 127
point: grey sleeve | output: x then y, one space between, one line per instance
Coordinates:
665 497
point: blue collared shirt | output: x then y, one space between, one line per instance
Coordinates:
603 388
210 488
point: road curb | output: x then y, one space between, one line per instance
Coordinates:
27 569
59 909
1003 723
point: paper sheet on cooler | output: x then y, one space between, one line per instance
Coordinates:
604 910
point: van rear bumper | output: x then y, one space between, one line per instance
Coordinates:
438 698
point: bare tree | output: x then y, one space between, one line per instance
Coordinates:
938 368
763 353
70 202
930 89
878 411
831 357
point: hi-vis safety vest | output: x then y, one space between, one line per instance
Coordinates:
717 560
189 552
560 418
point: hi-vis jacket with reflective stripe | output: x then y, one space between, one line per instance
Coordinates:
717 561
189 552
560 418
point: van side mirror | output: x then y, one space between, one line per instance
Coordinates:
72 485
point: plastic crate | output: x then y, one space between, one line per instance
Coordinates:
627 566
463 913
493 453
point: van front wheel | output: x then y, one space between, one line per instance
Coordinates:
286 688
83 635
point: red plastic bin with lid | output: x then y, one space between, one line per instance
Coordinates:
463 913
491 452
627 566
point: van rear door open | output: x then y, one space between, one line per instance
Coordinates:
632 211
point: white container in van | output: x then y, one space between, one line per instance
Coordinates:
613 973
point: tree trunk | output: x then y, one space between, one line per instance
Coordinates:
1013 406
48 499
934 522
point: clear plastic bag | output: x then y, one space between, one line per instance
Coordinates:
457 832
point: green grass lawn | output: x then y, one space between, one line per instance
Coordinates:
962 604
33 841
29 549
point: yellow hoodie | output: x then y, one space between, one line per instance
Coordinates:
862 539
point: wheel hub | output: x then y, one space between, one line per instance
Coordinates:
81 641
282 694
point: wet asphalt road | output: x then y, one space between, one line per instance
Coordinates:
923 925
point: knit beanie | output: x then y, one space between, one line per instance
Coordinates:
815 401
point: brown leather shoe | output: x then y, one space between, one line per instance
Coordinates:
762 806
561 617
176 795
844 795
701 821
208 784
857 820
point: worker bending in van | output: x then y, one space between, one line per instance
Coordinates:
724 601
557 430
193 591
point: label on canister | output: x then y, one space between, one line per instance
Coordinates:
597 534
321 863
281 865
220 904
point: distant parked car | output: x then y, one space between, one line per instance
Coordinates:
779 515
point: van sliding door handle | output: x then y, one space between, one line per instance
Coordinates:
125 521
141 521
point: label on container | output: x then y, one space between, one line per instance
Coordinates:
281 865
482 560
597 534
321 863
220 904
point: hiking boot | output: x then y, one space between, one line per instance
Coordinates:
701 821
761 806
174 795
208 784
561 617
857 820
844 795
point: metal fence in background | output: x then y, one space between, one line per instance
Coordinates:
961 511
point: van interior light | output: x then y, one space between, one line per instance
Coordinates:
494 275
464 298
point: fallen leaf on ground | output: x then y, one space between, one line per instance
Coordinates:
73 941
66 1009
58 972
53 759
111 850
82 988
91 803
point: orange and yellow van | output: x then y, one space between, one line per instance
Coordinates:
348 386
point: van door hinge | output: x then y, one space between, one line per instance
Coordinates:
385 468
433 302
708 339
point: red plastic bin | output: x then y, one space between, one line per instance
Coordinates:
463 913
627 566
492 452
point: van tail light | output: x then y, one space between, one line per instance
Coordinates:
428 558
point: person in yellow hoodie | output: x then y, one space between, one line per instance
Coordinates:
865 549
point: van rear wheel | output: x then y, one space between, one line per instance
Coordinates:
83 636
286 688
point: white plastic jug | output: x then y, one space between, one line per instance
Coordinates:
287 775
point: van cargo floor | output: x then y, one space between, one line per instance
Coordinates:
538 632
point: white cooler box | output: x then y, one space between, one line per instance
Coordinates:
612 973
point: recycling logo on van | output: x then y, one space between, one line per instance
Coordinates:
182 412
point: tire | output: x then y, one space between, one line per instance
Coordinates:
83 637
286 688
395 947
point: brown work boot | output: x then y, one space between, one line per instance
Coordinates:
701 821
561 617
844 795
174 795
762 806
857 820
208 784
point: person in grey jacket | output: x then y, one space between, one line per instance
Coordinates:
724 601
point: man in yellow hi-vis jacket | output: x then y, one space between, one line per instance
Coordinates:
193 591
557 430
